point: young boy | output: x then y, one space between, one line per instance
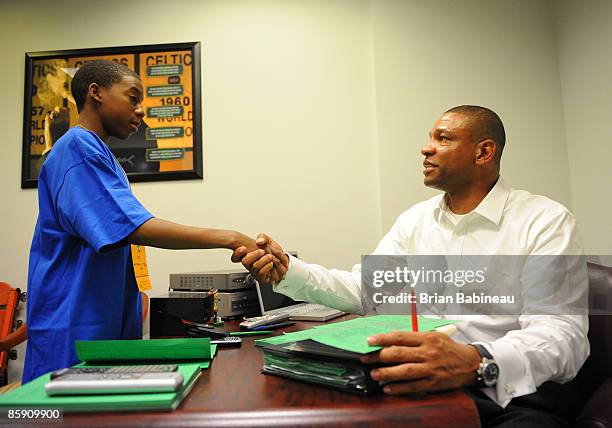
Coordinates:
81 282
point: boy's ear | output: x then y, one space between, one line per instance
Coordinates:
94 92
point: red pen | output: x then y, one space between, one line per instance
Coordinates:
415 321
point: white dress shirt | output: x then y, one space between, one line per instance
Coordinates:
529 349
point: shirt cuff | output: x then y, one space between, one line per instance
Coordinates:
513 380
295 278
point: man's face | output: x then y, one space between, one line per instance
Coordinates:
449 154
121 110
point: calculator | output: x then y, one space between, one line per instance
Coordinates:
142 368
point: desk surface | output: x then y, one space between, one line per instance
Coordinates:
234 393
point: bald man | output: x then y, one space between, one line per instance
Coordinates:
501 361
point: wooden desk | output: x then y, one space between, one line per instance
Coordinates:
234 393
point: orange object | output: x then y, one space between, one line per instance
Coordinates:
145 306
415 321
9 299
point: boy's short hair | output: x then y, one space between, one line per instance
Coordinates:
101 71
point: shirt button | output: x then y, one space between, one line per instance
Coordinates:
509 389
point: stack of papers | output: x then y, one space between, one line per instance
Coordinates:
191 355
330 354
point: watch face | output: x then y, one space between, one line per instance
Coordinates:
490 374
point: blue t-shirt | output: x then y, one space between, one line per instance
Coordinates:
81 282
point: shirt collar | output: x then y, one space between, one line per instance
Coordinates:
491 207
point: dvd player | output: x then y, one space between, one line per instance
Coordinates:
221 280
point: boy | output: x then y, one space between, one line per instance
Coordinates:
81 282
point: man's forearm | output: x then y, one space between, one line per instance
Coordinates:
165 234
330 287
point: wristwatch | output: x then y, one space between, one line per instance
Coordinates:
488 370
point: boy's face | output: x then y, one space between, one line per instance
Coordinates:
120 110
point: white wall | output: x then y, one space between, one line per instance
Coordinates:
287 117
436 54
584 36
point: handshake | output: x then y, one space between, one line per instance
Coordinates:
264 258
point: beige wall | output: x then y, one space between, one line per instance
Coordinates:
314 111
287 117
433 55
584 35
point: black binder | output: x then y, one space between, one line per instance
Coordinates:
313 362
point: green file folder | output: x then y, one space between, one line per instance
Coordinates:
144 350
352 335
33 395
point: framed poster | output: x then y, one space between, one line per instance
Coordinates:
168 144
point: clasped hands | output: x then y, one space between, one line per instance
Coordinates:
414 362
268 263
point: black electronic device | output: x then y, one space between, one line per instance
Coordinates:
173 316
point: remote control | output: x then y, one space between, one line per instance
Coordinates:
264 320
117 383
227 341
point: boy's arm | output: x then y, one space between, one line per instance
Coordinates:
165 234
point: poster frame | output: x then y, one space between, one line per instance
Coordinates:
196 172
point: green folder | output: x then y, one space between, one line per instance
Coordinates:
352 335
204 364
144 350
33 394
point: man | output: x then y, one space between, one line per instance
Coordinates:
478 214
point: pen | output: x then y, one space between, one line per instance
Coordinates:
250 333
415 321
279 325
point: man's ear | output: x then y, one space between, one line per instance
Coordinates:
94 91
485 151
